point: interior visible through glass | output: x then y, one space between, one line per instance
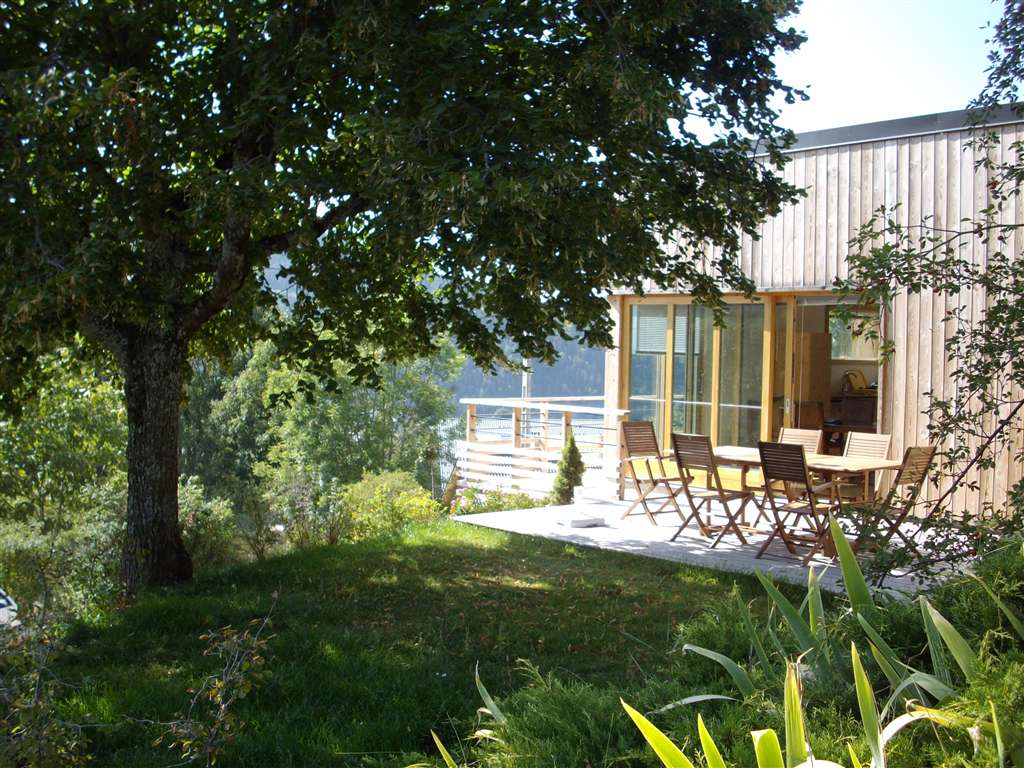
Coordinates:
648 330
691 369
739 391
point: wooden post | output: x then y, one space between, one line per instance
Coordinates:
566 427
471 423
517 427
544 426
622 457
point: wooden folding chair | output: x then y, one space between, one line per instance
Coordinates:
809 503
867 445
642 448
810 439
693 454
901 499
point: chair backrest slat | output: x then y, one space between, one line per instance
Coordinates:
810 439
693 452
640 438
867 445
786 462
917 460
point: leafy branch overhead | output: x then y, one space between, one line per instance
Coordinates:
479 169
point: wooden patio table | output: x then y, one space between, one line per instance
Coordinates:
745 458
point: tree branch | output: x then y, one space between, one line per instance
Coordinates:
1003 423
285 240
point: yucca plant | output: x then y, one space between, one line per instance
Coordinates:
768 749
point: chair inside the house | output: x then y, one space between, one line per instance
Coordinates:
647 471
799 506
887 519
694 457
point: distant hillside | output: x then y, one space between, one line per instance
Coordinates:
579 371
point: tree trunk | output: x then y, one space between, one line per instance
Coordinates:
154 552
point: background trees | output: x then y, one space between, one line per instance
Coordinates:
479 170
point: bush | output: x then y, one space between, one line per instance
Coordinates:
76 560
570 473
474 500
207 525
379 504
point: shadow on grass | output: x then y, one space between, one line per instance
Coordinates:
374 643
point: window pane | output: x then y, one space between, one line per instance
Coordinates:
649 327
739 410
691 372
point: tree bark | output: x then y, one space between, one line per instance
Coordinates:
154 552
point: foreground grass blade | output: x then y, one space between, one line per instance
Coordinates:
963 654
796 736
711 754
1011 615
853 577
815 609
853 757
1000 747
666 751
940 667
444 752
736 672
868 710
755 640
767 749
920 681
492 708
880 648
800 629
699 698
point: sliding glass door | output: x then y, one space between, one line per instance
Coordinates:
648 338
692 344
712 385
739 380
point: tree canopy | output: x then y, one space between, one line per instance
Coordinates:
476 170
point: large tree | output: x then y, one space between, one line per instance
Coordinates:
485 170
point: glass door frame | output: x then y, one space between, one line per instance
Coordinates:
672 301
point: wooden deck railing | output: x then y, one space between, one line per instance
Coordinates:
514 444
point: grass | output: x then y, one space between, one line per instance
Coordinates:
374 644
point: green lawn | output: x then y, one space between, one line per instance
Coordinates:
374 644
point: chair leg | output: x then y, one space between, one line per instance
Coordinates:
731 523
694 515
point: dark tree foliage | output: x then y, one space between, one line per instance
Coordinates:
482 170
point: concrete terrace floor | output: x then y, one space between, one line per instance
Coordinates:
635 535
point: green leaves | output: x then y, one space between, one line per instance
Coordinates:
667 752
868 710
853 578
937 625
736 672
796 737
800 629
492 708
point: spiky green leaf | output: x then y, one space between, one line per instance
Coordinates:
667 752
711 754
736 672
796 736
868 710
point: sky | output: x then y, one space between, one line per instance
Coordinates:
870 60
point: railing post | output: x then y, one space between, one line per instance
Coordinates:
566 426
471 423
545 431
517 427
622 457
